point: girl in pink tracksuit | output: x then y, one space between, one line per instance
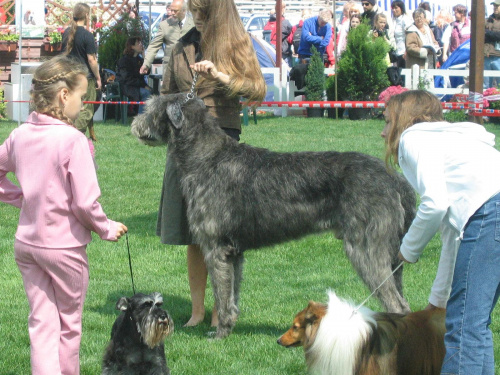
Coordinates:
58 200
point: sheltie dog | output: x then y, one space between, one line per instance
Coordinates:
338 339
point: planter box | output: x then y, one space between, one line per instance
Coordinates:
315 112
359 113
57 47
8 46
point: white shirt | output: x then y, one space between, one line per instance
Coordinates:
455 169
400 25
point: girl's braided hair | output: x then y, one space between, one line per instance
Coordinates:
49 78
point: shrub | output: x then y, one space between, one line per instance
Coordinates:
315 77
362 69
3 106
330 88
456 115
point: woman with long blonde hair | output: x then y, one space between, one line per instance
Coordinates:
219 52
454 168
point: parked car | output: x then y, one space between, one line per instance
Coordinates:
254 23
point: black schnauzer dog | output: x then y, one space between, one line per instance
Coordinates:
137 336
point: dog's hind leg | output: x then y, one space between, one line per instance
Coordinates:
220 265
374 266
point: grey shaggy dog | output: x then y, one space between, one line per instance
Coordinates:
241 197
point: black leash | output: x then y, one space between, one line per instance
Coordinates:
130 263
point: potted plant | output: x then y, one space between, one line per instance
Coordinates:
53 42
362 69
330 96
8 41
315 83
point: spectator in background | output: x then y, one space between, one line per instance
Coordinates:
168 12
344 25
344 28
460 31
329 59
168 34
379 29
295 34
425 5
421 46
354 22
442 33
131 81
316 31
492 43
401 22
286 29
370 9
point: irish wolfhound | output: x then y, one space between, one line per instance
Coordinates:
241 197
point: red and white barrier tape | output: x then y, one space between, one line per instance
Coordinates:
476 107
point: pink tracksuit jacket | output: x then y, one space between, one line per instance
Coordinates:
58 185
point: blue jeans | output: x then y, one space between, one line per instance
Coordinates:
491 63
474 293
145 94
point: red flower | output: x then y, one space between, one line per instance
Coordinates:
390 91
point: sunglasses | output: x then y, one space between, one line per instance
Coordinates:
365 4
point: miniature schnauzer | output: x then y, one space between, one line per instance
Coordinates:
137 336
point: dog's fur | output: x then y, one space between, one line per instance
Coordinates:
338 340
137 336
241 197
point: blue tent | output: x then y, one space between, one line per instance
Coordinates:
267 59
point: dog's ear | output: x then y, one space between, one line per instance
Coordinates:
174 112
314 311
123 304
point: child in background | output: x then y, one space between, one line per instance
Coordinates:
58 200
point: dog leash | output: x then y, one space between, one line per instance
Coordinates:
130 263
355 311
190 94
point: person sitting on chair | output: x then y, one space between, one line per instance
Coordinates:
131 81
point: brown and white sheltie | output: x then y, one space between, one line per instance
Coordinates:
339 340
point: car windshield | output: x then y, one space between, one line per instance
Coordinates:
144 15
244 19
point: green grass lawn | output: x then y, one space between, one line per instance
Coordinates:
278 281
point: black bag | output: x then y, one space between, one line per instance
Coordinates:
296 39
394 74
392 56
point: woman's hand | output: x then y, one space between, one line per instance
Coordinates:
208 71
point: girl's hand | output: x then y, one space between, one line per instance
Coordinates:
402 258
121 229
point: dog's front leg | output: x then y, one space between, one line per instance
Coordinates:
221 270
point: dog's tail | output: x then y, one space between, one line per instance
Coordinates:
340 338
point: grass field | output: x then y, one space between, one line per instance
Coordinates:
279 281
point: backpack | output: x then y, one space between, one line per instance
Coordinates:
296 38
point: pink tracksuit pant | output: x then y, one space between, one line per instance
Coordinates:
56 282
